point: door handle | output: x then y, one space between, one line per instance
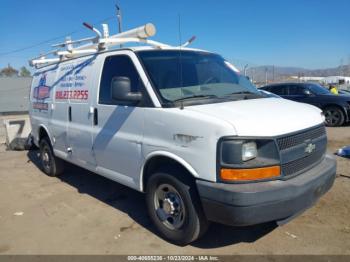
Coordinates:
70 114
95 117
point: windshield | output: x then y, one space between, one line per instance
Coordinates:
179 75
318 89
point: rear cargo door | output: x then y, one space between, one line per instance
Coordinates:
58 114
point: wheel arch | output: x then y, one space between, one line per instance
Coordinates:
42 132
338 106
156 160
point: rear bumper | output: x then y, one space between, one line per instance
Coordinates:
255 203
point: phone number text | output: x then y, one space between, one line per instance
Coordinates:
72 94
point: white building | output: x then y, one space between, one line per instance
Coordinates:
312 78
338 80
341 80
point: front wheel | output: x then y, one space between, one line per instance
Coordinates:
334 116
50 164
174 208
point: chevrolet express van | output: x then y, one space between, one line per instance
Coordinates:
186 128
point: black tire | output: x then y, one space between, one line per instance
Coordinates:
50 164
188 222
334 116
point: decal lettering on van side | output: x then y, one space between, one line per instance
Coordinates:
40 93
40 106
71 84
72 94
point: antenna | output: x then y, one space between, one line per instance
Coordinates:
179 29
180 58
119 18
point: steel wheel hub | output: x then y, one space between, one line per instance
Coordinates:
169 206
45 158
332 117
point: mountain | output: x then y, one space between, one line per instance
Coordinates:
278 73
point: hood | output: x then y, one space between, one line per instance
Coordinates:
340 97
263 117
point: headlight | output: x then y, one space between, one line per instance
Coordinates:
249 151
323 117
247 159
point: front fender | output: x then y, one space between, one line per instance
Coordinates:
172 156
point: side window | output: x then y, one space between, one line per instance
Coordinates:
278 90
293 90
303 90
120 65
297 90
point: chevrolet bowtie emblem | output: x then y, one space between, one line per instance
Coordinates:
310 148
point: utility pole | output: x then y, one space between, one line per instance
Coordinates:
273 73
266 75
245 70
341 67
119 18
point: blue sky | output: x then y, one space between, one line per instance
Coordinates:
303 33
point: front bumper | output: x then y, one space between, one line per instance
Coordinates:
255 203
347 114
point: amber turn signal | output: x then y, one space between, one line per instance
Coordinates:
250 174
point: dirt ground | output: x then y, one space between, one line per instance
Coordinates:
83 213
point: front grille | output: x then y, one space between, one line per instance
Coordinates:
296 166
294 140
295 158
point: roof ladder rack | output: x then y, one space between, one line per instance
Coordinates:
98 43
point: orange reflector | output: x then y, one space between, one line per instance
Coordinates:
250 174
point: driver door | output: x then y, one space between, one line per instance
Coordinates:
119 125
296 93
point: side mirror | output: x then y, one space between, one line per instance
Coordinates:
307 92
121 89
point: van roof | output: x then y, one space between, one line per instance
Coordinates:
142 48
134 49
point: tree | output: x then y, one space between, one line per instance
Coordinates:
24 72
9 71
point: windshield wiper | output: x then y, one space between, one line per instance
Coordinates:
194 97
243 92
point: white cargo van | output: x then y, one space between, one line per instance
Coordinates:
184 127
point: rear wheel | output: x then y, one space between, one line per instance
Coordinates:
334 116
174 208
50 164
